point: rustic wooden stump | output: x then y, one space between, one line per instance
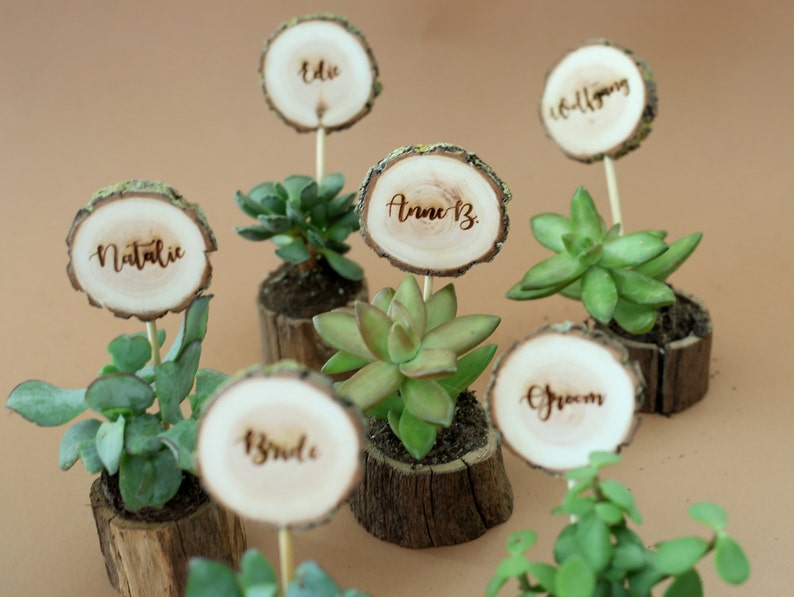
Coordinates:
285 335
418 506
144 559
676 372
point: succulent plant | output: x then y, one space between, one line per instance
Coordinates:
597 554
414 358
620 277
148 450
208 578
307 220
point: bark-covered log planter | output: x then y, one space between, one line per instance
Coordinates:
147 552
674 356
454 495
288 299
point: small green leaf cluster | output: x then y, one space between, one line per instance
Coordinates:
620 277
148 450
414 357
304 219
598 555
208 578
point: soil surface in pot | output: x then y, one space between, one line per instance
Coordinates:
301 295
468 431
189 497
675 322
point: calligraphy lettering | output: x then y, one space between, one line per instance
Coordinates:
321 71
262 449
462 213
586 100
138 255
545 401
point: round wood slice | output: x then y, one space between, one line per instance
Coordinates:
275 445
676 372
419 506
599 100
433 210
319 72
562 393
146 558
139 249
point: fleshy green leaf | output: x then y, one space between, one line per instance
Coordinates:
77 434
248 206
401 343
45 404
599 294
520 541
274 224
181 440
729 558
629 556
294 252
295 184
601 459
642 290
441 307
593 537
194 326
687 584
340 330
416 435
341 204
331 184
130 353
309 195
631 250
370 385
381 409
311 581
549 230
148 481
254 233
382 299
462 333
470 367
208 578
635 319
609 513
669 261
110 444
207 381
174 381
343 266
342 362
140 435
585 220
90 457
428 401
409 296
619 495
430 363
711 515
513 567
121 391
374 326
517 293
256 570
574 578
545 575
679 555
558 270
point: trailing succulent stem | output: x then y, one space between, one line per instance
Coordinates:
413 358
620 277
148 450
597 554
306 220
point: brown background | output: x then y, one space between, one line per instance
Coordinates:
95 92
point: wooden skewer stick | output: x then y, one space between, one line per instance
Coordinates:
286 557
612 187
151 332
428 288
320 154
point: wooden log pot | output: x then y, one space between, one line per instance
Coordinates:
675 365
287 301
420 505
150 557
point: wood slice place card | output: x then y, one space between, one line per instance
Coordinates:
433 210
139 249
275 445
319 72
599 100
563 392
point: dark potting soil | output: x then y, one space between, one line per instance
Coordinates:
468 431
189 497
301 295
674 322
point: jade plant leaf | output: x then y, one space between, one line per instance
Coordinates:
117 393
711 515
574 578
110 444
45 404
679 555
687 584
148 481
129 353
75 436
729 558
140 435
208 578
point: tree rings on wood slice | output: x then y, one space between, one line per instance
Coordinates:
433 210
319 72
562 393
599 100
139 249
275 445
